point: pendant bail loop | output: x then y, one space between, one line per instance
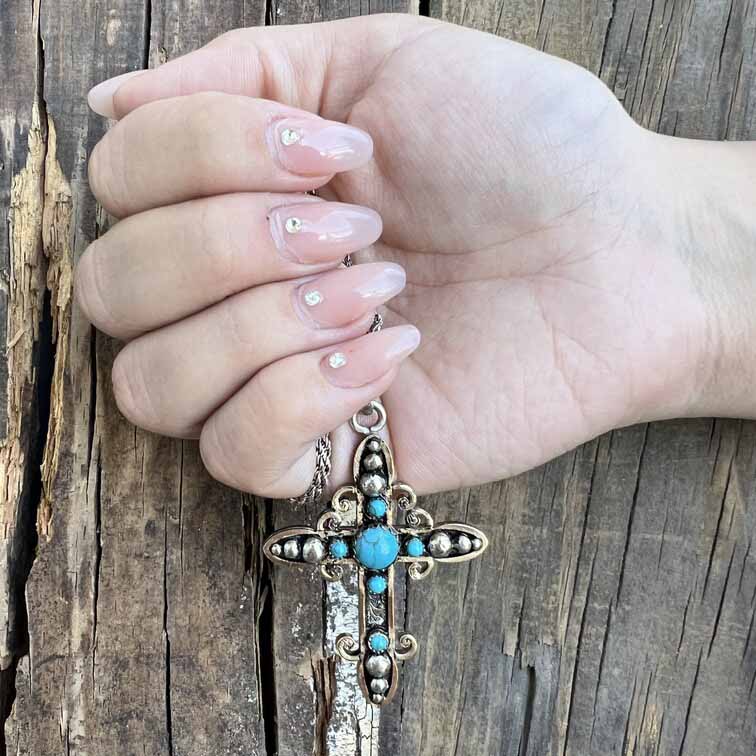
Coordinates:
374 408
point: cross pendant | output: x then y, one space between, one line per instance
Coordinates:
374 524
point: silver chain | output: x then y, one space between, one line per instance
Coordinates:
323 445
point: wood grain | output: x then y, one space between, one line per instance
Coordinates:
614 612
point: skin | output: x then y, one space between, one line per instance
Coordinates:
569 271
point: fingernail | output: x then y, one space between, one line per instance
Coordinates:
342 296
316 147
100 97
366 359
317 232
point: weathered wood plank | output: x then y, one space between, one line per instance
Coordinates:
62 702
145 597
309 11
22 155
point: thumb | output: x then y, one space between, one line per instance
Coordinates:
317 67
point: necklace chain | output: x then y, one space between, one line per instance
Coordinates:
323 448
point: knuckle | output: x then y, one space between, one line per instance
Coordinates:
106 172
205 121
237 322
229 37
245 448
96 171
218 451
280 469
88 289
265 402
277 410
130 389
216 242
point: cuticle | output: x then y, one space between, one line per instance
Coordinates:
279 239
298 306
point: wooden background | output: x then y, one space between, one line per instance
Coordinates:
614 612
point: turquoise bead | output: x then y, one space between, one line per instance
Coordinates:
376 547
376 507
378 641
377 584
415 547
338 549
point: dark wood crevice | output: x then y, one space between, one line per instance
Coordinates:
259 522
34 438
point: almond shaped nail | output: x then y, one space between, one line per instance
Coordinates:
100 97
342 296
364 360
316 147
318 232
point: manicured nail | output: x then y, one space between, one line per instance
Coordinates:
318 232
315 147
366 359
342 296
100 97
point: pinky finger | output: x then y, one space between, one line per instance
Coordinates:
261 440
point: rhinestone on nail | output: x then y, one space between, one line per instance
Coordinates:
337 360
290 136
313 298
293 225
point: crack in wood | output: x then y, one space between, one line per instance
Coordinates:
166 633
29 355
324 680
258 513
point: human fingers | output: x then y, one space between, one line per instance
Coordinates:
210 143
261 440
161 265
172 379
318 67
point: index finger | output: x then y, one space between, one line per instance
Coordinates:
317 67
211 143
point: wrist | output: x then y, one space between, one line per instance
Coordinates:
710 199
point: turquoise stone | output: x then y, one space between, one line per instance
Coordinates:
378 641
376 547
376 507
415 547
377 584
338 549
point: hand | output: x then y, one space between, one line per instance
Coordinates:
538 225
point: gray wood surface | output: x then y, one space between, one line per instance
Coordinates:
614 612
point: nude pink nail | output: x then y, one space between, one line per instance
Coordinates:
342 296
370 357
100 97
317 232
316 147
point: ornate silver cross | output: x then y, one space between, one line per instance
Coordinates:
374 524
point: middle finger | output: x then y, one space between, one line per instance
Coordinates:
165 264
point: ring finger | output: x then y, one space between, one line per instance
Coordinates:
172 379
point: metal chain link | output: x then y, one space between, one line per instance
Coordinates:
323 445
